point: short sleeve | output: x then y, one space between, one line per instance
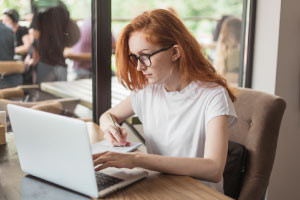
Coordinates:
220 104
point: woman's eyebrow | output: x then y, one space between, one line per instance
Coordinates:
140 51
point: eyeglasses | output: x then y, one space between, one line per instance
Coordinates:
145 58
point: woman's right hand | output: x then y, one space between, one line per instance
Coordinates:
113 116
113 136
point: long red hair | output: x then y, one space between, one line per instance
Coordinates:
164 28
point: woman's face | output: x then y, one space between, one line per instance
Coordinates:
7 21
162 66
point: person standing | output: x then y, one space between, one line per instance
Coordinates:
22 39
227 57
6 43
81 52
55 31
7 54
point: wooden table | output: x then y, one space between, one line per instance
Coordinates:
14 184
82 89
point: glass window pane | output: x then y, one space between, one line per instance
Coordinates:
217 25
51 48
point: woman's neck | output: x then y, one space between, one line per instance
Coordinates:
176 87
174 82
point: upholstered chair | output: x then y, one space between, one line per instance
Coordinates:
257 128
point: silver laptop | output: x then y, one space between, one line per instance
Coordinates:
57 149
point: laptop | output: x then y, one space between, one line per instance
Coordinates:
57 149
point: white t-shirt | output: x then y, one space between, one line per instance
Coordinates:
175 123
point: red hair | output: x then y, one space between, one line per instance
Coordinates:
163 28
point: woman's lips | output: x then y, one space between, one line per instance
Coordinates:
147 75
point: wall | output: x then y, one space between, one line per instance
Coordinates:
266 45
277 71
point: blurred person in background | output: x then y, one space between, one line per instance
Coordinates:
7 51
227 60
54 31
22 40
32 58
6 43
217 29
81 52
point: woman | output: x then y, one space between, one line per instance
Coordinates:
55 31
22 39
185 107
228 47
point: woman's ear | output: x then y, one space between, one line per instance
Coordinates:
176 54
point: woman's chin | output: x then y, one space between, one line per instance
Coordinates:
152 81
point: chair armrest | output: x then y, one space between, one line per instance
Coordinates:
10 93
69 104
4 102
12 67
27 88
54 107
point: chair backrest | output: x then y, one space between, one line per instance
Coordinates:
257 128
10 93
12 67
16 95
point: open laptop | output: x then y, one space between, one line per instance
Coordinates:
57 149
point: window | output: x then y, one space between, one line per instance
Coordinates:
223 28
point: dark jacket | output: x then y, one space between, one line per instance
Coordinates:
7 49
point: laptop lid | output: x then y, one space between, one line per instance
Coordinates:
54 148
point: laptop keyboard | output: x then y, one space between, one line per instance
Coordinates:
104 181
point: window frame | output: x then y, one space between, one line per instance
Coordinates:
101 57
247 41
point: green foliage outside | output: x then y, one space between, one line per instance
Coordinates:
81 9
185 8
23 6
128 9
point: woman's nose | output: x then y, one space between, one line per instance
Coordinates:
140 66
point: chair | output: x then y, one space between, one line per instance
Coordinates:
257 128
11 73
30 96
11 67
55 106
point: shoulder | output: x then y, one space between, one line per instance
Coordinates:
218 103
23 30
216 90
209 89
5 30
210 93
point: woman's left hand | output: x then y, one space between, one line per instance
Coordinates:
114 159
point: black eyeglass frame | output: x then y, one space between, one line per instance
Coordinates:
137 58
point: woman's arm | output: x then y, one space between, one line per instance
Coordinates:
26 45
120 112
209 168
83 56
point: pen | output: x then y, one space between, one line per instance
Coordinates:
114 123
